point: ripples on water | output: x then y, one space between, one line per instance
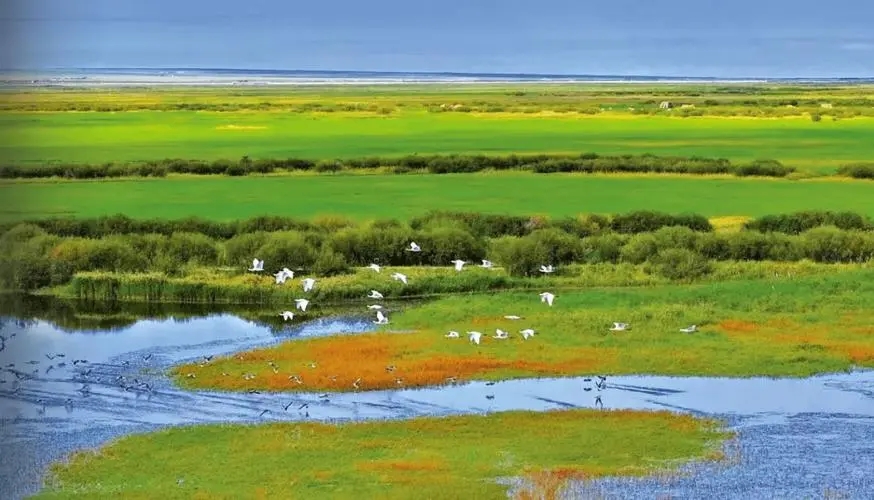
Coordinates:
799 438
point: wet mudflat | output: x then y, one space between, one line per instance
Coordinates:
799 438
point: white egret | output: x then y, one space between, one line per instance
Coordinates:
375 295
547 297
475 337
400 277
257 265
374 307
452 335
547 269
620 327
288 273
689 329
308 284
513 317
500 334
374 266
528 332
414 247
487 264
459 264
280 277
287 315
381 318
301 304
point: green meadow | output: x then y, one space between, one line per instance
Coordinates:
97 137
402 196
389 460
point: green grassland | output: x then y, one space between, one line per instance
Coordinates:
781 326
436 458
94 137
399 196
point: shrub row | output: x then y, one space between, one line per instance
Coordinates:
437 164
799 222
482 225
31 258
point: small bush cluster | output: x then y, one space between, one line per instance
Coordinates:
435 164
858 170
50 252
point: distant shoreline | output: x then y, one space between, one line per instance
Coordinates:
117 77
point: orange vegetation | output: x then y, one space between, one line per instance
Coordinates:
375 361
547 484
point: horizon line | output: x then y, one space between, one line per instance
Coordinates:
423 73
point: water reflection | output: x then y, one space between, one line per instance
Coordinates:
110 382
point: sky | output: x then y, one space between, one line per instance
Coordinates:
715 38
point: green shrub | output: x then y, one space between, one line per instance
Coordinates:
679 264
639 248
330 263
857 170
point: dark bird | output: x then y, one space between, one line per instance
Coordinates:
79 361
286 407
587 389
598 401
49 369
490 383
263 412
147 357
587 380
253 391
490 396
61 364
208 358
305 405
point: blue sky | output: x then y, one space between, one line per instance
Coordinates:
777 38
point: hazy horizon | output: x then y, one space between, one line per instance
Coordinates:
678 38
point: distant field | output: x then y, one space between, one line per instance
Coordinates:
95 137
401 196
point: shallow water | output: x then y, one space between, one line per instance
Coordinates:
797 436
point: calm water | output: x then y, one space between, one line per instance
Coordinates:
797 437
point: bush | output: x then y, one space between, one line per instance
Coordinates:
330 263
764 168
799 222
831 245
639 248
646 221
679 264
286 249
858 170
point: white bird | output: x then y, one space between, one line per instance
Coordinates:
528 332
381 319
547 297
475 337
308 284
414 247
288 273
287 315
547 269
500 334
280 277
619 327
400 277
452 335
374 307
257 265
301 304
513 317
459 264
375 295
374 266
689 329
487 264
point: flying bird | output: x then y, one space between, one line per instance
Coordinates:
459 264
308 284
280 277
500 334
452 335
513 317
689 329
287 315
400 277
257 265
374 266
547 297
475 337
528 332
620 327
374 307
547 269
375 295
414 247
301 304
487 264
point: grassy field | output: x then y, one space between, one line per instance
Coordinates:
398 196
436 458
95 137
786 326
